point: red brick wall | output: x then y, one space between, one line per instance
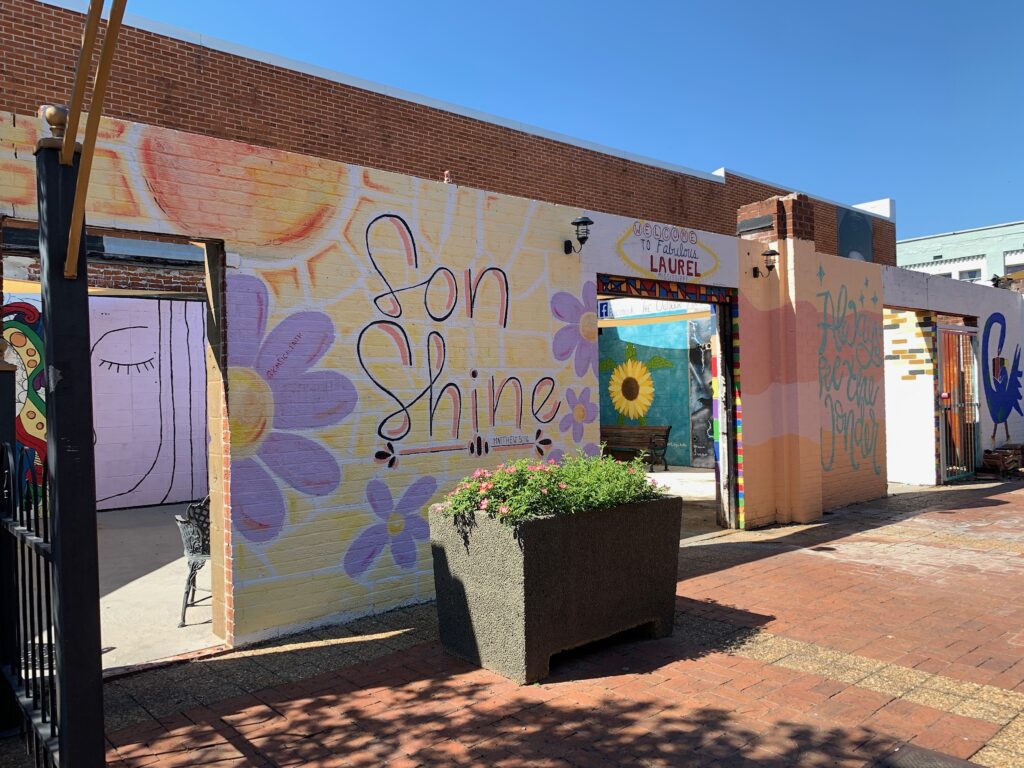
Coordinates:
180 85
138 277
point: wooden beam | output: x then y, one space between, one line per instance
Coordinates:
92 26
92 127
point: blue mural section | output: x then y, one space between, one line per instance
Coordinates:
637 358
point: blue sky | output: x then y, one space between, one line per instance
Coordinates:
852 101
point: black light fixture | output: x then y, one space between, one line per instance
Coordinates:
771 258
582 225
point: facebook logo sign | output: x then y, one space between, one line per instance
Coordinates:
604 309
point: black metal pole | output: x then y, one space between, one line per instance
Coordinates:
10 712
69 457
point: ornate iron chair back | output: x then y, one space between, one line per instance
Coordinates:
195 537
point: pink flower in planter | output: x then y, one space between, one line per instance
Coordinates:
581 411
578 338
274 395
401 526
485 503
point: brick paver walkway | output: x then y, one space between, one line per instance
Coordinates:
899 621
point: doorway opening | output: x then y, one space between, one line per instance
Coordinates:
958 397
149 322
666 380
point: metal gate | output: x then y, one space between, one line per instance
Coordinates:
27 653
958 403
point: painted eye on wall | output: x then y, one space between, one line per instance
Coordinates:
127 368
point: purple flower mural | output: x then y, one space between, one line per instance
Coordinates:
401 526
578 338
273 395
590 449
581 412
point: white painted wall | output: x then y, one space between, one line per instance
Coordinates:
904 288
910 418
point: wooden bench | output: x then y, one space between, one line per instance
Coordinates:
629 442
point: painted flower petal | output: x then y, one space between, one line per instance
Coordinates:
366 549
257 506
558 454
378 495
586 357
297 343
416 497
577 431
403 550
567 308
248 305
570 398
590 409
565 342
592 449
313 399
302 463
589 296
566 423
417 527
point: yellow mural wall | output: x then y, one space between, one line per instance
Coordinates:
385 336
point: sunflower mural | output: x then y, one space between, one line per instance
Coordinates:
631 386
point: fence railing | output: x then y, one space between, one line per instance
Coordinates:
27 649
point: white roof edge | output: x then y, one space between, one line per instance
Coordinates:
721 172
177 33
962 231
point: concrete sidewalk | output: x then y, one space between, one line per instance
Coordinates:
899 621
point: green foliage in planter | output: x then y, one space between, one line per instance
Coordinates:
525 489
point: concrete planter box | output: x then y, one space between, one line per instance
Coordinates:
509 599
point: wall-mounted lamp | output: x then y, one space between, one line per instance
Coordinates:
582 225
771 258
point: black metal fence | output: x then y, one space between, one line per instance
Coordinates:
50 661
27 648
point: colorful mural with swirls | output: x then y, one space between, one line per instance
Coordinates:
23 333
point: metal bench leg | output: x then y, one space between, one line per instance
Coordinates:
190 587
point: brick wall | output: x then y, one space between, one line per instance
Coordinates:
138 277
176 84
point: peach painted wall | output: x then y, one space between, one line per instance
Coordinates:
812 371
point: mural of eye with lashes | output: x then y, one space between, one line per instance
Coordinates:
127 368
149 400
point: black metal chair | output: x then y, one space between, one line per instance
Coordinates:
195 536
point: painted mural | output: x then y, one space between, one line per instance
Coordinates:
850 372
854 235
1002 383
701 390
356 402
149 400
657 367
637 248
386 335
23 332
149 395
